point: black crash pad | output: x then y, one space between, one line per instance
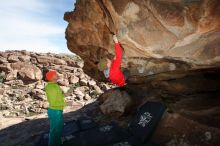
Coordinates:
86 123
132 141
146 120
69 130
72 140
85 132
103 135
150 144
43 141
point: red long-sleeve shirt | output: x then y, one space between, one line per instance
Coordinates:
116 75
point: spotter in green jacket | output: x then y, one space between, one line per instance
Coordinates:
55 96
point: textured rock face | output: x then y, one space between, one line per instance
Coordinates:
182 36
192 98
115 103
151 32
30 72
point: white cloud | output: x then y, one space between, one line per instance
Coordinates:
15 6
22 27
27 25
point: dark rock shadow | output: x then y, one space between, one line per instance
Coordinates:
28 133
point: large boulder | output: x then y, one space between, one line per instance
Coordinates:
30 73
63 82
115 103
176 34
17 65
5 67
13 58
46 60
12 75
73 79
24 58
3 60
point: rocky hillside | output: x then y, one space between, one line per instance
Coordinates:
22 82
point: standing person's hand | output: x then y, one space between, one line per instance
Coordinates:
115 39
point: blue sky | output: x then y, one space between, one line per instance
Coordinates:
34 25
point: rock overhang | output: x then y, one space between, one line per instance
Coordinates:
157 36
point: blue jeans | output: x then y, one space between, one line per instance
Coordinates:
56 127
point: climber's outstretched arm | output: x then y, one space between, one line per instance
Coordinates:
118 51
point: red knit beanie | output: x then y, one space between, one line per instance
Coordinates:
50 75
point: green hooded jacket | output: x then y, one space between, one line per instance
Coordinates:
55 96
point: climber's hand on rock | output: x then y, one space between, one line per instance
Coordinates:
115 39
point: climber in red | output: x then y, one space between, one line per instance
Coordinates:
112 69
